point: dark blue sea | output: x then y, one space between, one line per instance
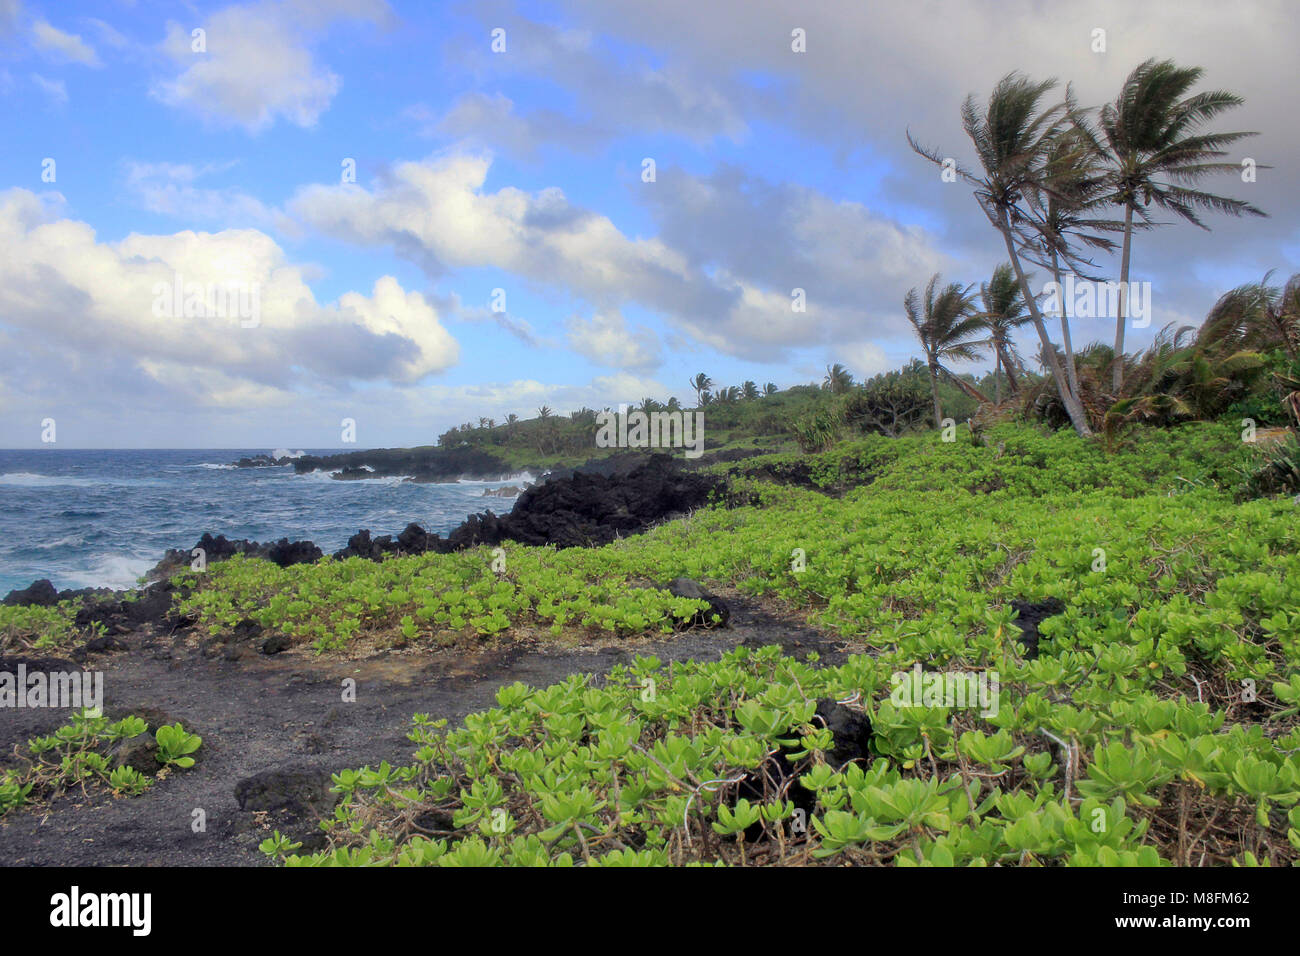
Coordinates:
102 518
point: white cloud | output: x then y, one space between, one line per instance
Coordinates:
258 65
63 46
612 93
863 359
75 307
169 189
858 88
438 214
491 120
54 89
107 33
607 340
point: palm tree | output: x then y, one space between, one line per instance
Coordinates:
544 412
837 379
944 324
1075 187
1004 312
1256 316
1157 153
770 389
749 390
1011 135
673 404
701 384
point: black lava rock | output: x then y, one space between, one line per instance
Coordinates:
686 588
1029 616
285 552
98 645
275 644
594 505
851 730
139 752
302 791
586 508
39 593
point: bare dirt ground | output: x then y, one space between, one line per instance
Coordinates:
285 715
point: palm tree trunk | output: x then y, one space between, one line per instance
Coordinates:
934 391
964 385
997 377
1071 371
1071 401
1117 367
1012 384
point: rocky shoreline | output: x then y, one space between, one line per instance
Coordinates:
420 465
619 497
272 724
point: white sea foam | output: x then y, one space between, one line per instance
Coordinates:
521 478
324 475
67 541
110 571
27 479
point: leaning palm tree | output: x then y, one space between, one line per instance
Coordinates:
1157 152
701 384
838 379
1004 312
1075 188
1011 134
1257 316
944 323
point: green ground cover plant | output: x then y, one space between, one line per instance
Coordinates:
1156 722
1021 513
35 627
1082 766
1156 725
80 756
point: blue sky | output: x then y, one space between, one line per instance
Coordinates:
521 170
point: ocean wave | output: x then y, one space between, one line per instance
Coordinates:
67 541
109 571
27 479
213 466
520 478
320 475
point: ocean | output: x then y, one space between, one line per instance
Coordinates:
100 518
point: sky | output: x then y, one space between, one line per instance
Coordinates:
441 211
